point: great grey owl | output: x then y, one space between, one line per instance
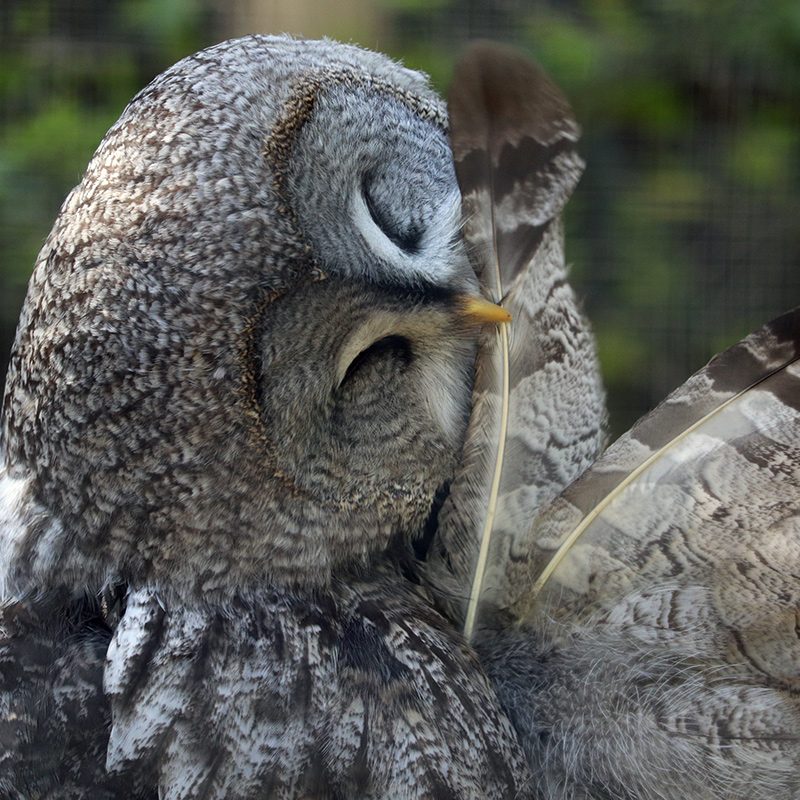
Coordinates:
249 434
240 382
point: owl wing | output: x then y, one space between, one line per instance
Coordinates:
655 648
54 717
366 695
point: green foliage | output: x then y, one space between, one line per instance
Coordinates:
683 232
690 113
763 154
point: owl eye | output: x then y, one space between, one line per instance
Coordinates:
388 349
408 239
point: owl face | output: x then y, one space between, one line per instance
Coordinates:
247 347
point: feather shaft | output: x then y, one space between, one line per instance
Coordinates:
712 457
491 510
513 138
571 538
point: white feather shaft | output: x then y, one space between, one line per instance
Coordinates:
491 511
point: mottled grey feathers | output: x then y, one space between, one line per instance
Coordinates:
239 391
538 408
655 652
361 691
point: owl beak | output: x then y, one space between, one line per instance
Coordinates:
476 309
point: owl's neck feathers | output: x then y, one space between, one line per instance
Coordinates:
41 552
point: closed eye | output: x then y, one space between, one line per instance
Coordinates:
407 239
388 348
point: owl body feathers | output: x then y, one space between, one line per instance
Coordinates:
244 384
240 381
359 691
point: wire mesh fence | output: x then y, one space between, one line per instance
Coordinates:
682 235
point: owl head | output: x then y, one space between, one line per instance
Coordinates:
246 351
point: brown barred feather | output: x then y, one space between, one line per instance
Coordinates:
656 653
538 411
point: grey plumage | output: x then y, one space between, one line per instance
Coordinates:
538 409
240 379
238 395
660 657
133 390
358 691
53 715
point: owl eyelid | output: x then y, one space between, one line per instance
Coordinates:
377 328
392 344
409 241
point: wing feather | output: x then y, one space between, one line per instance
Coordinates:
538 411
718 460
656 650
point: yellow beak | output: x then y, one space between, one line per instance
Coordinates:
475 308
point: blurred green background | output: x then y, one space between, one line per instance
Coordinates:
683 234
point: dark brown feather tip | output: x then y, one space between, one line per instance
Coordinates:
513 136
499 92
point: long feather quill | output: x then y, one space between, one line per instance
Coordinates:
537 403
